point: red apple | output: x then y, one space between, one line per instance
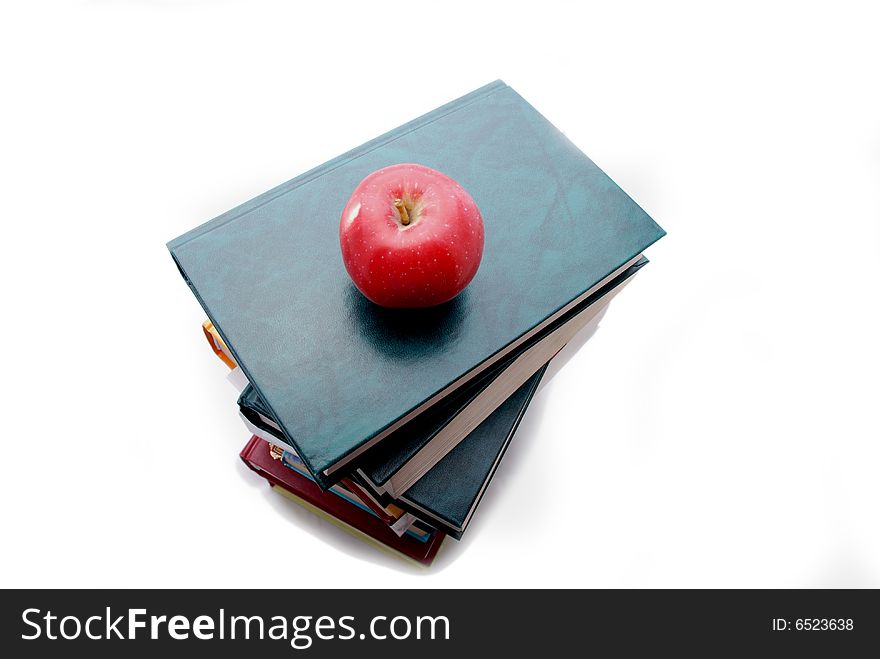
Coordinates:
410 237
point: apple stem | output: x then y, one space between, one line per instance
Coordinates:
401 208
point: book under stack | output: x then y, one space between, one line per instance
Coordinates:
391 422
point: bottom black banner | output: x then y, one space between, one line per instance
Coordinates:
434 623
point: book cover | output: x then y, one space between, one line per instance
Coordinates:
448 495
338 373
402 443
378 465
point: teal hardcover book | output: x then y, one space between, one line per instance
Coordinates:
449 492
340 374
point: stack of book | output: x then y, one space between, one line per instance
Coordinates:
391 422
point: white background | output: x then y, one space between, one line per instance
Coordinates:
721 429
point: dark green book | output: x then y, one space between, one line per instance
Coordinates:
340 374
404 439
447 495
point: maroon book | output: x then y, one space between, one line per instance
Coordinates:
256 455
